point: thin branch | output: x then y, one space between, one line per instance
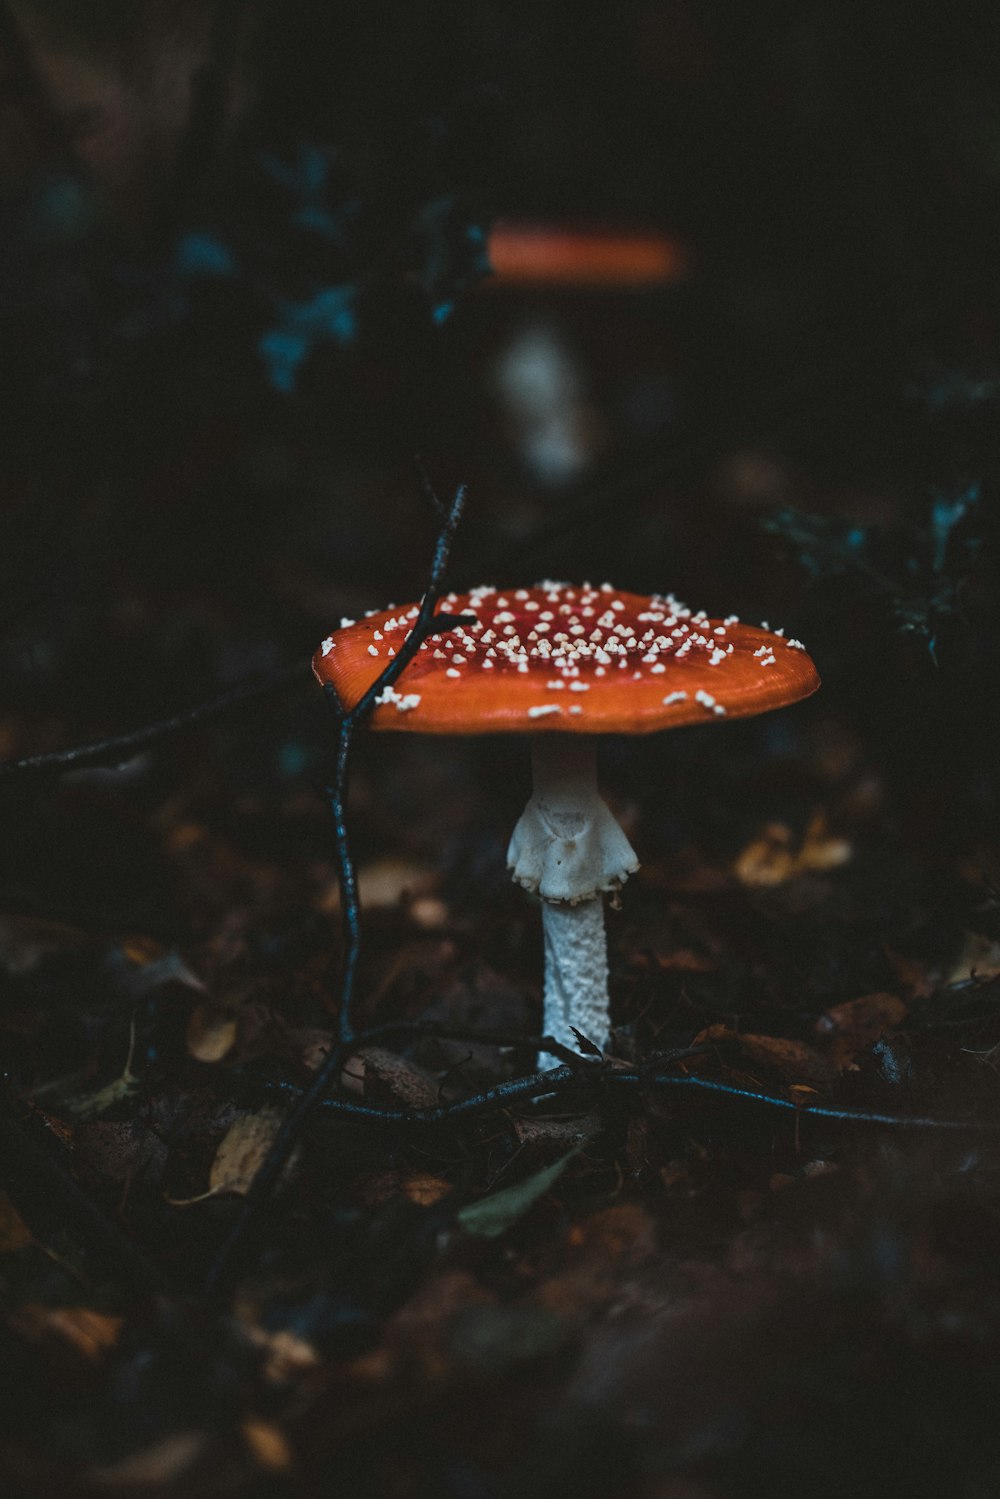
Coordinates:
602 1077
121 747
427 488
428 622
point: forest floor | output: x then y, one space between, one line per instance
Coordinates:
660 1293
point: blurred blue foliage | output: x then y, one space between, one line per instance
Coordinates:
441 251
307 181
947 512
918 571
329 316
202 254
63 210
454 254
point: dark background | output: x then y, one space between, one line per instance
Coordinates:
244 258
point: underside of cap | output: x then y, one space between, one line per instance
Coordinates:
570 856
563 658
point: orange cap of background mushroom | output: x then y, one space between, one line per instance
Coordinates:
567 255
566 658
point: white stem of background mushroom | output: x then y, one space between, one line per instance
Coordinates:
568 849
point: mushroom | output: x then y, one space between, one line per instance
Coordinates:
566 663
568 255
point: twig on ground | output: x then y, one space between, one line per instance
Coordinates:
598 1076
121 747
428 622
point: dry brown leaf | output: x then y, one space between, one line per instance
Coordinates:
392 1078
677 960
852 1027
268 1445
423 1189
912 976
419 1187
795 1060
286 1355
88 1332
979 958
211 1033
822 849
553 1137
772 858
767 860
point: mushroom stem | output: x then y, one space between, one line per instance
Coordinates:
576 974
568 848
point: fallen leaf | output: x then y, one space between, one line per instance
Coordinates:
268 1445
979 959
767 860
680 960
418 1187
243 1149
822 849
911 975
211 1033
795 1060
390 1078
493 1215
240 1155
852 1027
423 1189
139 978
88 1332
772 858
548 1136
91 1105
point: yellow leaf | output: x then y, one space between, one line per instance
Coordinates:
240 1155
210 1034
772 858
91 1105
268 1445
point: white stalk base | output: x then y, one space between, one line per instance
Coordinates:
576 974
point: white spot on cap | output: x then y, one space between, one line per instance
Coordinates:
543 710
708 701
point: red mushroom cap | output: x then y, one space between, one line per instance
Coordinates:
566 658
